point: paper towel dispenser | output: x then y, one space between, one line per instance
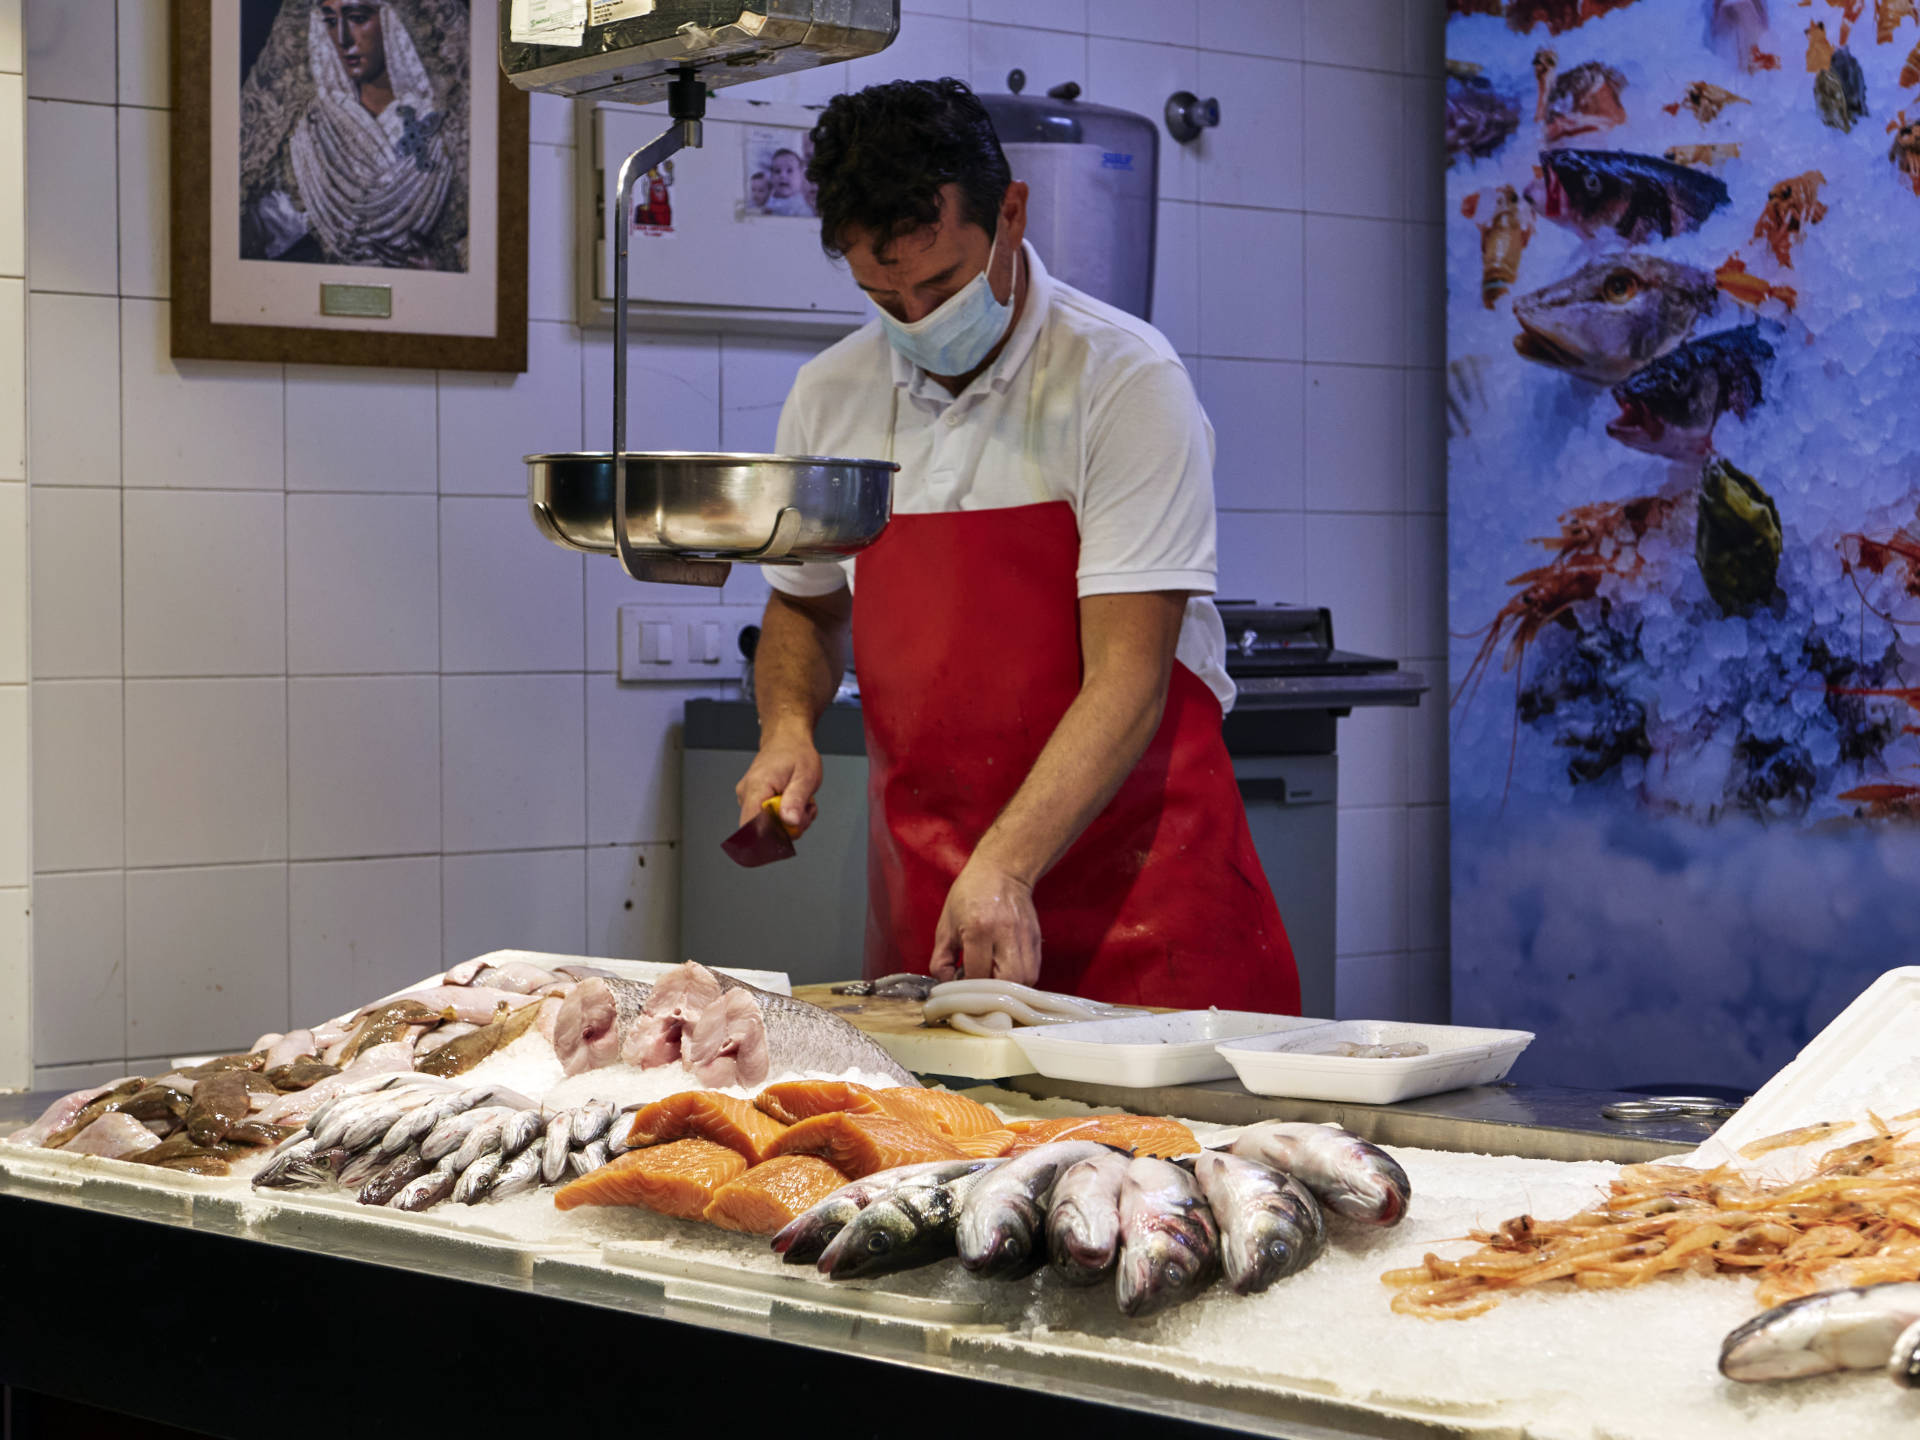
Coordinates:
629 49
1094 176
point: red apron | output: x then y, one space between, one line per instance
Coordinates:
966 633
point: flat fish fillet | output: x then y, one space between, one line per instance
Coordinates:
798 1100
954 1116
710 1116
727 1044
594 1019
1142 1134
859 1145
771 1195
989 1145
677 1179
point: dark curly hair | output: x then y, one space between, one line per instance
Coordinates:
881 156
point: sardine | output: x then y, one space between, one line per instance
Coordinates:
459 1056
482 1139
477 1178
588 1159
556 1147
430 1189
1672 406
520 1132
591 1121
1610 317
1270 1224
370 1126
451 1133
1169 1240
415 1126
1083 1225
1632 196
1002 1229
220 1102
520 1173
1737 540
913 1224
1345 1174
1834 1330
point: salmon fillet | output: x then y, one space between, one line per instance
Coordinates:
799 1100
709 1115
954 1116
772 1194
859 1145
1142 1134
990 1145
676 1179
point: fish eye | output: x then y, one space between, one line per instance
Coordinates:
1620 286
1592 183
879 1243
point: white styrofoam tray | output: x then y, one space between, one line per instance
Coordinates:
1865 1059
1179 1048
1457 1055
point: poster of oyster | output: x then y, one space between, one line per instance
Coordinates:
1684 549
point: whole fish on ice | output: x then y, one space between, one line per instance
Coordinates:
913 1224
1835 1330
1345 1174
1270 1224
1002 1230
1169 1239
1083 1225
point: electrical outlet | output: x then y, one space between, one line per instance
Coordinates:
682 642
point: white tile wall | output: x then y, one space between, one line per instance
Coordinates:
441 759
73 232
12 38
13 379
16 843
360 929
364 757
16 965
16 1020
80 1006
206 966
13 582
205 582
76 582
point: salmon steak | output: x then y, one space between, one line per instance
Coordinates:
676 1179
941 1111
989 1145
798 1100
1142 1134
772 1195
707 1115
860 1145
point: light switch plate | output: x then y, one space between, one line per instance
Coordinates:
682 642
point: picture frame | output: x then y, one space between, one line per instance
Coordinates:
342 195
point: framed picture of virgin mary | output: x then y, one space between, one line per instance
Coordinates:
349 185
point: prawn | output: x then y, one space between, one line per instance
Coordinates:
1900 552
1595 541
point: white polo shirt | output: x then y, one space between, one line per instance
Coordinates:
1085 404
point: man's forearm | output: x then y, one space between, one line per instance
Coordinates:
799 660
1091 752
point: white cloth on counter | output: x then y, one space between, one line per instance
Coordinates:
1085 404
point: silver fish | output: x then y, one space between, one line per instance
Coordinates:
1346 1174
553 1154
1834 1330
477 1179
588 1159
520 1173
1903 1367
911 1225
482 1139
1610 317
802 1240
520 1132
1002 1227
429 1190
372 1125
1169 1240
295 1164
1083 1225
398 1172
360 1169
1270 1224
590 1122
451 1133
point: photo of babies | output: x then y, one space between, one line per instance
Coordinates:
776 173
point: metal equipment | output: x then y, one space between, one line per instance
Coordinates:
698 513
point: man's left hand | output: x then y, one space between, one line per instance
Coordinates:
988 928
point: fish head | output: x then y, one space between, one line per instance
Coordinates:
1580 191
1670 407
1165 1259
1611 316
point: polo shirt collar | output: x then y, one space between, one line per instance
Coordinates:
1026 332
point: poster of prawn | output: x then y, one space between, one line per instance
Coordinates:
1683 406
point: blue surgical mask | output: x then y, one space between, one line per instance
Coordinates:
955 338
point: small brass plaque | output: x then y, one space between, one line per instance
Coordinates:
357 302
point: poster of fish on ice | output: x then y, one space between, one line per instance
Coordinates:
1683 405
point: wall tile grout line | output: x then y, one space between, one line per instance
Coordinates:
120 379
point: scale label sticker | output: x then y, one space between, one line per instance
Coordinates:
547 22
605 12
357 302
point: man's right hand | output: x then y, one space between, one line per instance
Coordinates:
787 766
